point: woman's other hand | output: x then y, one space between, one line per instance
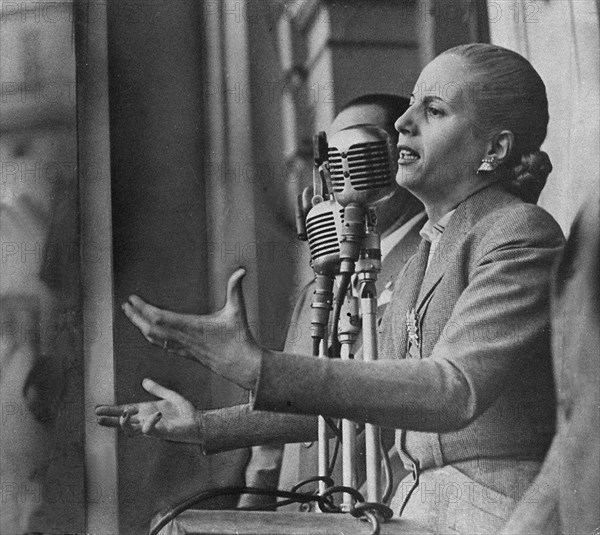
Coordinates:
221 341
172 417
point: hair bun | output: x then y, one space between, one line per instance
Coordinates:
529 176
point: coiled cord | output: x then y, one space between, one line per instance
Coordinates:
368 511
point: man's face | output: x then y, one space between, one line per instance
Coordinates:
361 114
375 114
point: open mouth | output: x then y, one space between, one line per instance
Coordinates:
406 154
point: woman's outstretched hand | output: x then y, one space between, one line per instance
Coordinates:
221 341
172 417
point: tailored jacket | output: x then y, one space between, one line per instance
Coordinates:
482 384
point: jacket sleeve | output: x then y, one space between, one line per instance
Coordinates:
241 427
508 289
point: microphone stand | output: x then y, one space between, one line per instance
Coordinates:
360 160
348 333
367 267
361 241
320 307
323 441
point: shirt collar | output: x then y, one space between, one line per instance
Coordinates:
432 232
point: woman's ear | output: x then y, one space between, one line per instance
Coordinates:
500 146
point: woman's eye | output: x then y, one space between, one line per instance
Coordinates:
435 112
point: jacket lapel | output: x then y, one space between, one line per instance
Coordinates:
464 218
393 335
452 236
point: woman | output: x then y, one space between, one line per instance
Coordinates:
464 369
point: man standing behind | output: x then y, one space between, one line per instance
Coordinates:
399 220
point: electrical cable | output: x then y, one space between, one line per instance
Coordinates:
337 309
366 510
387 470
315 479
175 510
336 450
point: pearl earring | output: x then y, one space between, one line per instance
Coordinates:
488 164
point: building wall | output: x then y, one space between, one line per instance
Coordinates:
160 240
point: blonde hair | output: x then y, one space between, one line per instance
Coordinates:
510 95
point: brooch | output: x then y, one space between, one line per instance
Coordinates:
412 330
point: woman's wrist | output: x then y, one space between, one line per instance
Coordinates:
198 432
251 373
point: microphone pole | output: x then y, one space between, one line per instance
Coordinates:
348 333
367 268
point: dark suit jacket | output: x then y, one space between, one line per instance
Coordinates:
484 385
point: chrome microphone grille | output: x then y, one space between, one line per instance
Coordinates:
322 236
323 228
369 166
361 164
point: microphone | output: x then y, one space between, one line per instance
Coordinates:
323 229
362 165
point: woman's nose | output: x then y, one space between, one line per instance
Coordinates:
404 124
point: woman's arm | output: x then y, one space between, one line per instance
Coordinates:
507 293
498 326
241 426
174 418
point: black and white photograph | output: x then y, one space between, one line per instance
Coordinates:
300 267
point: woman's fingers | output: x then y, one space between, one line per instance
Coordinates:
159 316
154 334
109 421
126 425
160 333
160 391
115 410
235 295
130 424
136 318
150 423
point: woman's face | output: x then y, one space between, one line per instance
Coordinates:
438 151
